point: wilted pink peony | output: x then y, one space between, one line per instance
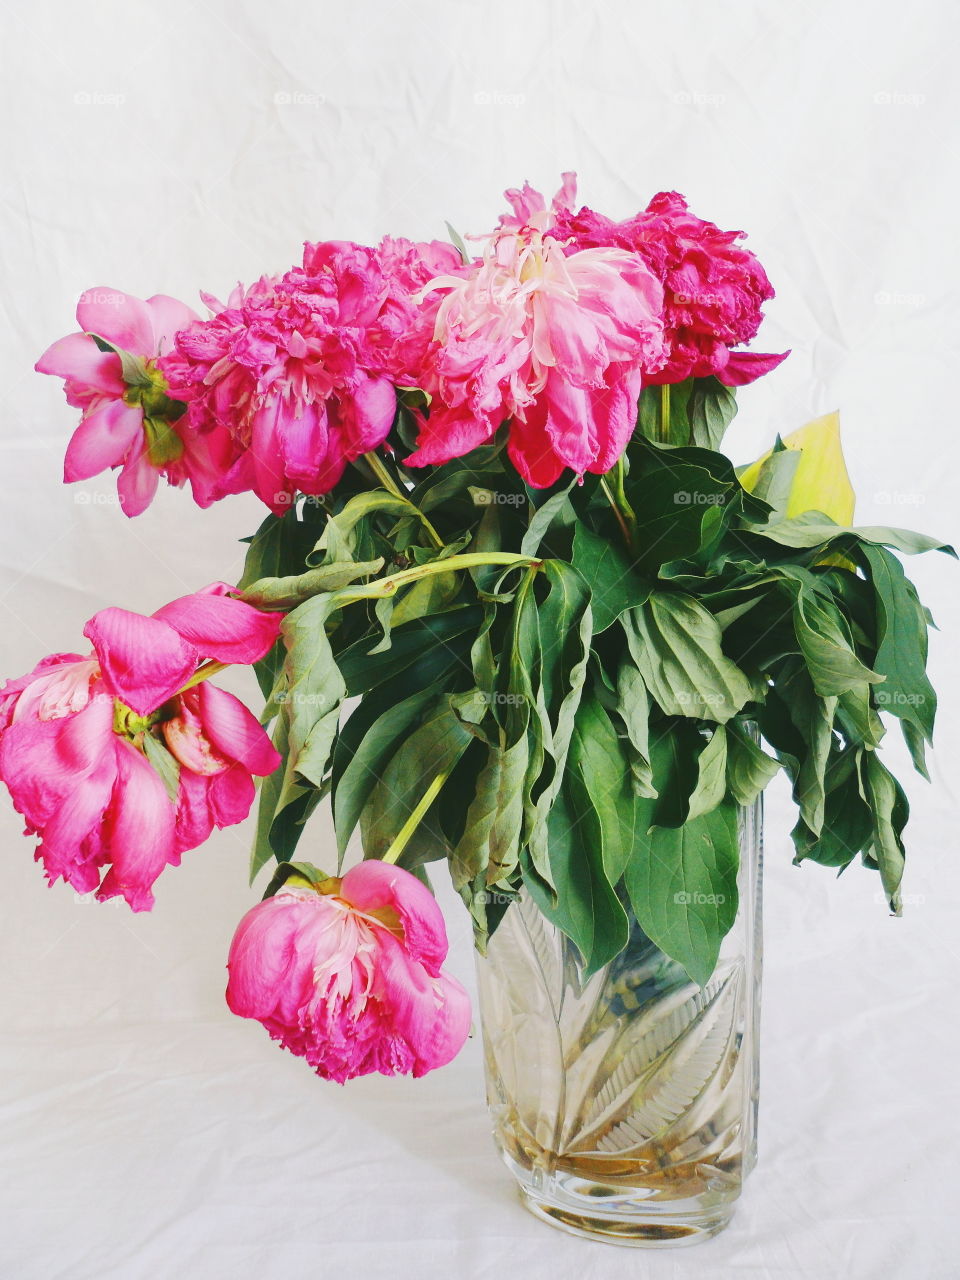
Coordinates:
300 368
557 343
713 288
129 420
113 765
347 974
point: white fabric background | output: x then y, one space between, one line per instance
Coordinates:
147 1133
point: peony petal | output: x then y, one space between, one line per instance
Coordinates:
144 660
139 829
77 358
374 886
747 366
430 1013
235 732
169 316
120 318
137 483
103 439
222 628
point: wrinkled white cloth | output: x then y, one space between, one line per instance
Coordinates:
145 1132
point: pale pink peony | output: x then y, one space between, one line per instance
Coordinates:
347 974
557 343
713 288
300 369
128 419
73 750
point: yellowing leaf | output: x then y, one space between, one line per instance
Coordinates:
821 481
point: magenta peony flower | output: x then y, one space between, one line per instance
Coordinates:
300 369
128 419
557 343
713 288
114 765
347 974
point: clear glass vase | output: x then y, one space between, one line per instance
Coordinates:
625 1105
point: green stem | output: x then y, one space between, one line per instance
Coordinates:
376 465
402 838
388 586
664 433
203 673
621 520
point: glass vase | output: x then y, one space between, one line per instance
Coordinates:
625 1103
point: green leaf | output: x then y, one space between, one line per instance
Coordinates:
824 639
775 480
749 768
676 645
683 888
313 693
297 871
813 529
596 754
166 765
678 507
565 622
286 593
543 518
384 738
588 911
847 823
901 644
431 750
614 584
456 239
890 811
634 708
710 410
490 845
711 784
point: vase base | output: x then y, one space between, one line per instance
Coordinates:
653 1231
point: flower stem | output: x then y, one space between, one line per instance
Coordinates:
664 433
202 673
376 465
402 838
381 587
617 512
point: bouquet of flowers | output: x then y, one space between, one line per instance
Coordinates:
574 636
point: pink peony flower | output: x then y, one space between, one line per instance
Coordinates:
557 343
347 974
713 288
300 369
128 419
114 765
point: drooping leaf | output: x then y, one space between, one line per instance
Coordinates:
683 888
749 768
676 645
610 573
